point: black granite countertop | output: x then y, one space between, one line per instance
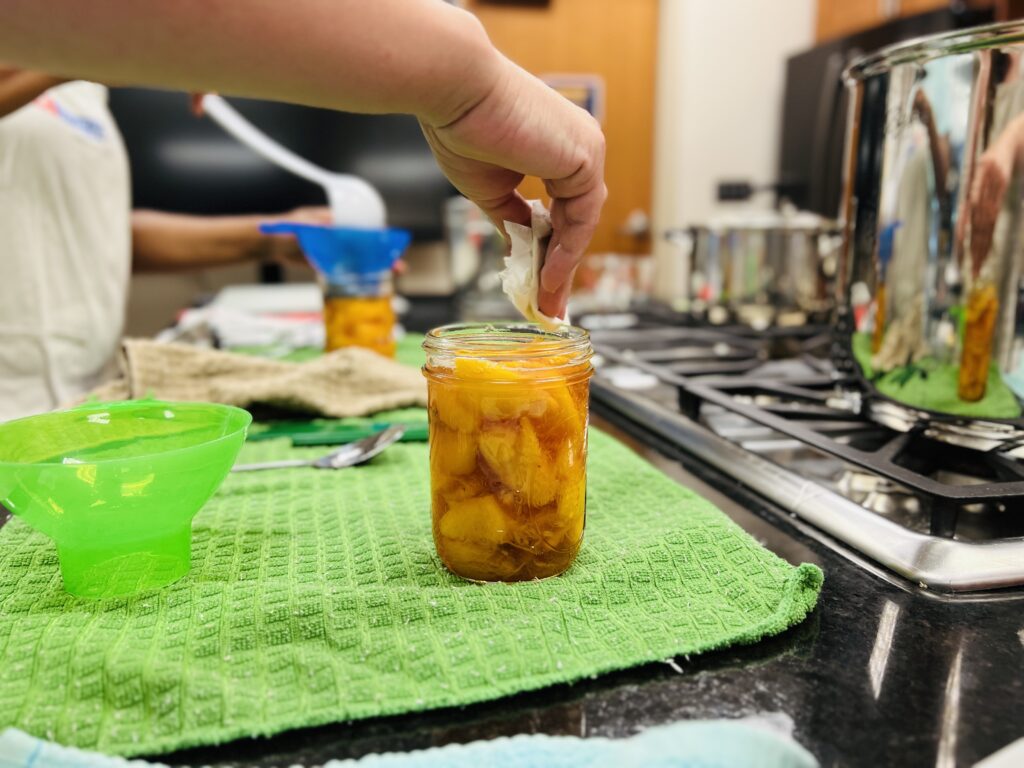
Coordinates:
882 673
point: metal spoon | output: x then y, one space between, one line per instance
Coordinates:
348 455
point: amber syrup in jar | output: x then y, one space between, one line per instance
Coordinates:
508 413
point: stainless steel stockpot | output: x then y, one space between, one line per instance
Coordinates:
929 286
758 273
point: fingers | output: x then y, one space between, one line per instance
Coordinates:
573 221
576 203
314 214
986 199
554 303
196 103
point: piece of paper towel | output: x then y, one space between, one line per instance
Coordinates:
520 280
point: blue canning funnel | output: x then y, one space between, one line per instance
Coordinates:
345 256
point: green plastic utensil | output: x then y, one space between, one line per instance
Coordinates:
116 485
309 433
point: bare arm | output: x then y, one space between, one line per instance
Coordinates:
487 121
19 87
984 201
172 242
168 242
383 56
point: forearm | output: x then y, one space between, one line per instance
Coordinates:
169 242
18 88
422 57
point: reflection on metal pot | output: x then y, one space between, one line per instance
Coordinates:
931 273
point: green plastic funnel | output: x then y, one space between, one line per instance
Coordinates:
116 486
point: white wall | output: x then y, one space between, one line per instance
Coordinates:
721 71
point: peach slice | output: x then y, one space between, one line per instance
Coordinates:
452 452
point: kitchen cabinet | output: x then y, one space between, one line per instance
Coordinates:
610 38
837 18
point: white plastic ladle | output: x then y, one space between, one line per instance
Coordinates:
353 201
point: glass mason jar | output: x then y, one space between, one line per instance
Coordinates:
508 447
358 313
353 266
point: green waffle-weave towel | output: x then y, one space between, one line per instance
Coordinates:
316 596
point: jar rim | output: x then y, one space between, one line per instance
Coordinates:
508 341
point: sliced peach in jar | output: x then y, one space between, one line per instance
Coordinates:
481 562
458 488
478 519
509 403
562 418
453 407
519 462
540 480
497 444
572 507
452 452
475 369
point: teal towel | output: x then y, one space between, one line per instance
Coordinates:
712 744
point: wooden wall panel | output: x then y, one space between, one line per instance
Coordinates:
613 38
837 18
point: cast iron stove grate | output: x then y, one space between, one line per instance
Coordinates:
971 502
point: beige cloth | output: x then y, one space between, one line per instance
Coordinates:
346 382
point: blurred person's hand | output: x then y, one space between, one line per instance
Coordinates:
283 248
522 127
990 182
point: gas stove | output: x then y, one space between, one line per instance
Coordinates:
769 410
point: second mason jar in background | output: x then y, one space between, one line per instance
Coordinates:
358 313
354 269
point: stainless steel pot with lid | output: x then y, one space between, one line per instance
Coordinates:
931 311
758 270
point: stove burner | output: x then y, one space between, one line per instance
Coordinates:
786 403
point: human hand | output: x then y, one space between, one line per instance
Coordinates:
984 201
284 248
522 127
991 180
